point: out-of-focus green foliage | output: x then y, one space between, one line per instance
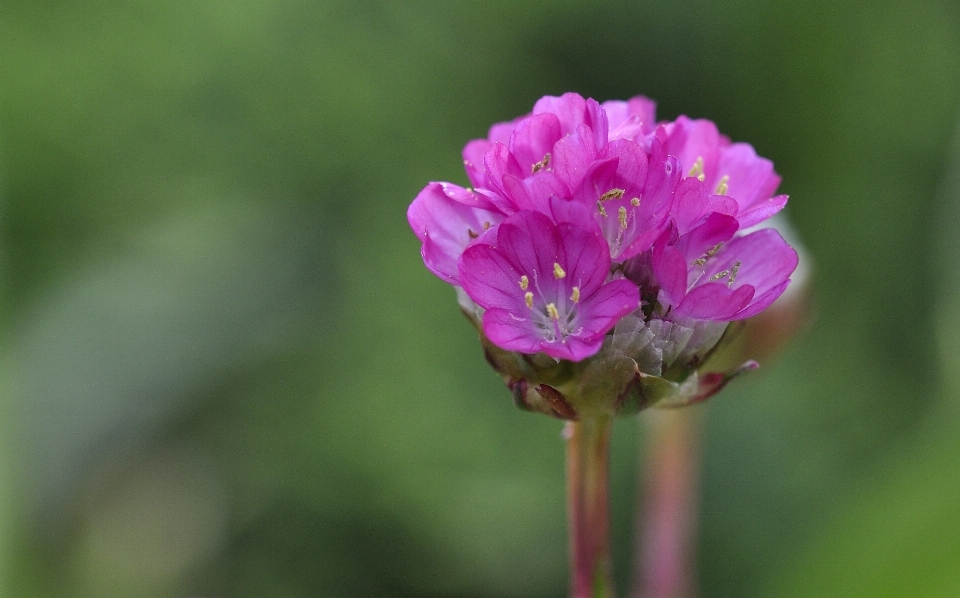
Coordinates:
224 370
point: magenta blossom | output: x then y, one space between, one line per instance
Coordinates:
706 275
446 218
732 169
543 287
583 213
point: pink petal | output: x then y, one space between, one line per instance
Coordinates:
511 332
501 132
586 257
570 109
692 203
534 192
572 212
631 163
762 210
670 267
530 241
447 218
751 178
629 119
499 162
766 259
600 311
573 155
596 119
572 348
690 139
490 279
473 154
762 302
714 301
716 228
533 139
663 175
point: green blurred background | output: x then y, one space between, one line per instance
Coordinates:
224 370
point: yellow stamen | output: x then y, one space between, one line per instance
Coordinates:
528 299
635 202
719 275
552 310
733 273
524 282
709 254
722 186
472 234
623 217
602 211
538 166
558 272
486 226
612 194
697 169
575 297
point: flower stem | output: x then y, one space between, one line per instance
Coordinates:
588 506
667 515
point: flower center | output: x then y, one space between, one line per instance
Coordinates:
554 319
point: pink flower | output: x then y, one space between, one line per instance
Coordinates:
707 275
447 218
580 209
543 287
731 169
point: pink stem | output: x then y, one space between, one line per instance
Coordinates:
667 519
588 458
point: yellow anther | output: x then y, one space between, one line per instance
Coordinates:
528 299
719 275
558 272
733 273
635 202
602 211
524 282
472 234
538 166
622 212
722 186
486 226
613 194
709 254
575 297
697 169
552 310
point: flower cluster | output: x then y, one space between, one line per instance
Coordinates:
597 247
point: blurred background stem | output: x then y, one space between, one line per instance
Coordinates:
667 509
588 504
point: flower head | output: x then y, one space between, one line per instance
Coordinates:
602 254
